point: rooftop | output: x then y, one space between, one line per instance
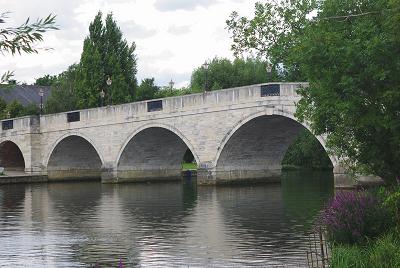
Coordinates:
24 94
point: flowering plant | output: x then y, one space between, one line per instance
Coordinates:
353 217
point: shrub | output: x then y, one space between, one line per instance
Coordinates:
383 252
353 217
392 204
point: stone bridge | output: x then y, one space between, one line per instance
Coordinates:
233 134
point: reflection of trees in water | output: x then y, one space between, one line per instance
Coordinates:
141 223
304 195
120 221
274 216
156 203
253 208
153 219
189 194
75 201
11 197
77 209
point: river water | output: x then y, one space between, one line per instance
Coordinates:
175 224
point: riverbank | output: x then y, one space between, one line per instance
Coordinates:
382 252
363 228
22 178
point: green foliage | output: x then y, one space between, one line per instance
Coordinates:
188 157
350 55
46 80
147 90
5 78
272 33
168 92
189 166
307 152
223 73
383 252
105 54
391 202
15 109
63 97
22 38
3 106
31 109
353 217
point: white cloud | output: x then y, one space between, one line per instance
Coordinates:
136 31
178 30
169 44
173 5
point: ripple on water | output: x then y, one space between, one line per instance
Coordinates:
159 225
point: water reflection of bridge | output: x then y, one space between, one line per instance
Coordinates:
168 222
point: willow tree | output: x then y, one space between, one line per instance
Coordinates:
106 55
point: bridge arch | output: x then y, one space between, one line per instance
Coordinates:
256 145
73 156
11 156
153 151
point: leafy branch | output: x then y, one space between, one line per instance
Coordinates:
21 38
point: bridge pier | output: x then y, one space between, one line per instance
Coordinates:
73 174
149 175
114 175
108 175
343 179
207 175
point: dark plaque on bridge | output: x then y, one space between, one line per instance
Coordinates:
153 106
73 117
8 124
270 90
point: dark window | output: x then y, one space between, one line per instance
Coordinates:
153 106
73 117
270 90
9 124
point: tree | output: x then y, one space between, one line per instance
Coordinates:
106 55
23 38
14 109
63 97
147 90
46 80
306 152
272 33
349 53
3 106
223 73
31 109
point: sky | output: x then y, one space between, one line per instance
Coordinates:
173 37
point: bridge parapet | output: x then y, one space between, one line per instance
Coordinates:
21 125
274 92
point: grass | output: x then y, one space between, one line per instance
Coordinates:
383 252
189 166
